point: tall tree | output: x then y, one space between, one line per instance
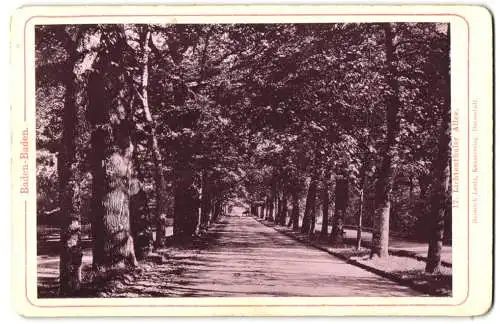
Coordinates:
295 210
71 250
160 183
441 166
112 154
284 208
205 200
186 204
341 202
385 179
326 204
308 222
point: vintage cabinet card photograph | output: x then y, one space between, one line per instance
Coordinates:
252 160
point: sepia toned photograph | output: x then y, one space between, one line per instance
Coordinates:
251 161
226 160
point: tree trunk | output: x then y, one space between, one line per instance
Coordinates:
98 184
213 213
271 203
314 212
266 207
71 248
205 201
380 241
160 183
271 210
217 210
410 202
307 222
424 183
112 167
361 208
139 220
326 203
161 192
279 204
254 211
295 210
341 202
438 210
440 202
186 206
285 209
140 214
421 209
281 217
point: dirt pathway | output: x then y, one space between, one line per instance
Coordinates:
242 257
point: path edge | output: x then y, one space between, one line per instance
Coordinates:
398 279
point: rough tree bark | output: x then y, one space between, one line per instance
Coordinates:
441 171
112 167
341 202
290 219
306 221
271 210
186 205
254 210
271 203
380 241
295 210
279 204
279 210
410 189
266 208
205 201
314 212
284 208
98 186
263 210
424 182
310 210
359 231
71 248
160 183
423 222
139 220
217 209
326 204
140 214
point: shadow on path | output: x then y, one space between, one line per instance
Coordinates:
241 257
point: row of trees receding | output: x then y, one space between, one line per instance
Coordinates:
386 124
152 123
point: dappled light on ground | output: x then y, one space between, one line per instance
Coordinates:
242 257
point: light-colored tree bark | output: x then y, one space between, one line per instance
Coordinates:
380 241
71 251
160 183
341 203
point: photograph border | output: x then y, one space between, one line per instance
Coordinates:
28 103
